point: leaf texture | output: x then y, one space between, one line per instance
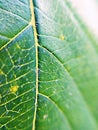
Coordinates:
49 66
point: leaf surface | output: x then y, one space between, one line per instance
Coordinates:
49 66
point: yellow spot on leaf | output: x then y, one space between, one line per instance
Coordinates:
18 46
1 72
45 116
14 89
62 37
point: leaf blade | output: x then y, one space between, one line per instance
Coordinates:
62 94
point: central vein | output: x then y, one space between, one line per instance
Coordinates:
33 23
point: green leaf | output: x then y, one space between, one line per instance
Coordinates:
49 65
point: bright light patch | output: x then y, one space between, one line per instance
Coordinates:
88 9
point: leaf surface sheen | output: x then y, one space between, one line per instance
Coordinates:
49 65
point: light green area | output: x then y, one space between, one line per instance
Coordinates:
68 68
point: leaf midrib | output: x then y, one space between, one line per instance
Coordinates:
33 23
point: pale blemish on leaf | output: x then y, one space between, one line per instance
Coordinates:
45 116
70 93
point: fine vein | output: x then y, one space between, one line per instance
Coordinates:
33 23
